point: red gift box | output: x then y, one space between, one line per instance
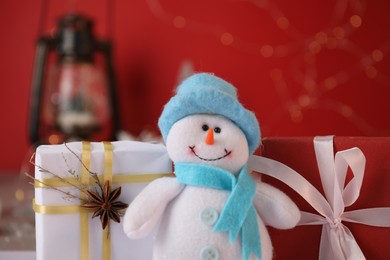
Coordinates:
303 242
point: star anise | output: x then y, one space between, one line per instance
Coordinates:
105 204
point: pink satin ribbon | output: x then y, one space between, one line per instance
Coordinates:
337 241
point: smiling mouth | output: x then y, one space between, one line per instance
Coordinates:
227 153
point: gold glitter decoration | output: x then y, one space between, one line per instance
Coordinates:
267 51
179 22
226 38
356 21
282 23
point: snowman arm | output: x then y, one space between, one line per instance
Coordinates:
275 208
146 209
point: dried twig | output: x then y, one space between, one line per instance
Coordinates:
93 174
70 170
67 193
80 188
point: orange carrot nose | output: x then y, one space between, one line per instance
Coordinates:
210 137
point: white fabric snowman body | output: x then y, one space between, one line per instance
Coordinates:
189 212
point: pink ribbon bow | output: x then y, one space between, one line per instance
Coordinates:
337 241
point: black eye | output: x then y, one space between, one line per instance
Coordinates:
217 130
205 127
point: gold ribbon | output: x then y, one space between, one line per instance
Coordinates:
70 209
86 179
106 243
116 179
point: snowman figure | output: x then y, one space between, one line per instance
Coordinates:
213 209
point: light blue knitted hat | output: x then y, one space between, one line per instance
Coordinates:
205 93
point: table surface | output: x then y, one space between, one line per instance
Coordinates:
17 227
17 255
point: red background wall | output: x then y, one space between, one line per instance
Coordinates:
305 67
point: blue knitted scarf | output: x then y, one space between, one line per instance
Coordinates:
238 213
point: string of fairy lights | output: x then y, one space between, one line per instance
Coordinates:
305 51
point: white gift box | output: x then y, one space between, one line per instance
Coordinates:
58 235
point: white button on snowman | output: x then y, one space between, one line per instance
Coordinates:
212 209
209 216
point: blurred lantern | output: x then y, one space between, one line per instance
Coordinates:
73 88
